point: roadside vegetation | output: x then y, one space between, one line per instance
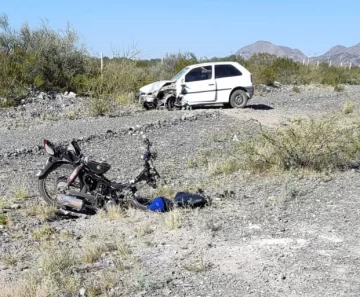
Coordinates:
313 144
47 60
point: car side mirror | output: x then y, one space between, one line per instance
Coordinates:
182 82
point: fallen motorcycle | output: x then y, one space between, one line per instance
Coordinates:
79 183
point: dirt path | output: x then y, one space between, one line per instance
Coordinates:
268 116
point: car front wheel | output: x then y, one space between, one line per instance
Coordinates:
238 99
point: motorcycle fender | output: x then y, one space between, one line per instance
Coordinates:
50 164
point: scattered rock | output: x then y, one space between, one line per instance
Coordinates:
276 84
15 206
71 95
82 292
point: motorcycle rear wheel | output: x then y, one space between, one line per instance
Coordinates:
50 195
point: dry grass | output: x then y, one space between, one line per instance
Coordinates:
197 267
51 277
112 213
213 225
3 219
44 233
16 235
99 286
119 264
339 88
43 212
123 249
173 219
165 191
11 259
221 136
190 163
144 230
24 288
56 271
71 115
296 89
94 250
55 260
348 107
223 166
205 155
21 192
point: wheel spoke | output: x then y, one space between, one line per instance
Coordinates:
55 177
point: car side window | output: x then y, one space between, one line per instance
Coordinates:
226 71
199 73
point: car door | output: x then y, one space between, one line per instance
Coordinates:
227 77
199 85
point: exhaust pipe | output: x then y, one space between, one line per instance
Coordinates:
70 201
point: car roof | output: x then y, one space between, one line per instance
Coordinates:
213 63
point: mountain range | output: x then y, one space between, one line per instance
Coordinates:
338 55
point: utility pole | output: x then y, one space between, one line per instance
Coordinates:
101 64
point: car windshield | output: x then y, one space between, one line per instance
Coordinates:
176 77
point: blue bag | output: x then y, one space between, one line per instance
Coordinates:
160 204
184 199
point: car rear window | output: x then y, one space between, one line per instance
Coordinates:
226 71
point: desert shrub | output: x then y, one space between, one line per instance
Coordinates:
79 83
268 68
285 70
262 59
315 144
330 75
225 166
3 219
42 57
267 75
348 107
118 83
100 106
296 89
351 77
12 85
339 88
5 102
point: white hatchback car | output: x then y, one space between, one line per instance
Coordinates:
227 83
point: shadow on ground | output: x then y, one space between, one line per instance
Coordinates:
259 107
250 106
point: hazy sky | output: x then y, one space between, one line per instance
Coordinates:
205 27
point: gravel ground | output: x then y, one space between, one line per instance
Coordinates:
282 235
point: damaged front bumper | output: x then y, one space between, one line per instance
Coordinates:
156 95
143 98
